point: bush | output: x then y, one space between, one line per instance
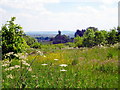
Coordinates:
12 38
36 45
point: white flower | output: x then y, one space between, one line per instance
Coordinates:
11 68
63 70
22 57
44 56
6 69
4 65
33 76
26 53
39 52
26 64
10 76
17 66
7 61
44 64
16 55
55 59
63 65
23 61
30 69
8 54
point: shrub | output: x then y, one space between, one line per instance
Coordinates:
36 45
12 38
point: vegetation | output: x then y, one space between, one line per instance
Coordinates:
73 68
12 40
60 65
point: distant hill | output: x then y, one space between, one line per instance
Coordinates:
49 33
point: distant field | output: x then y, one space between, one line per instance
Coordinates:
68 68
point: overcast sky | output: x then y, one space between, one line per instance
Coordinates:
54 15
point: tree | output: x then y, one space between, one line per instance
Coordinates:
12 37
118 33
112 37
88 40
99 37
79 33
29 40
78 41
93 28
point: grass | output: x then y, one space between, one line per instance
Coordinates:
87 68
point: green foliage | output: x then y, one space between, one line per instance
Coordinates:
112 38
85 69
36 45
89 38
12 38
78 41
99 38
70 44
94 37
29 40
110 55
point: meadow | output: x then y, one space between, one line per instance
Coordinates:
95 67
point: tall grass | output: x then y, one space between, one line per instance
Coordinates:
81 68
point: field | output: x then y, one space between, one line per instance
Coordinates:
95 67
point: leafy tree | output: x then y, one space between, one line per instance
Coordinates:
112 38
118 33
29 40
12 37
105 34
89 38
93 28
79 33
36 45
99 37
78 41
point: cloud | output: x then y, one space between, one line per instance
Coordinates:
99 1
31 1
32 15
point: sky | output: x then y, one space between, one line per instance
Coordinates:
54 15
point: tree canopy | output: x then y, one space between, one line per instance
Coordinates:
12 37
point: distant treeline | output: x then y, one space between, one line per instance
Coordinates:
86 36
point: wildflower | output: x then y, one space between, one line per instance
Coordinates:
7 61
26 64
39 52
16 55
4 65
26 53
22 57
6 69
33 76
44 64
29 69
63 65
8 54
63 70
17 66
10 76
55 59
12 68
44 56
23 61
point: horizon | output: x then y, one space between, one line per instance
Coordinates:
54 15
